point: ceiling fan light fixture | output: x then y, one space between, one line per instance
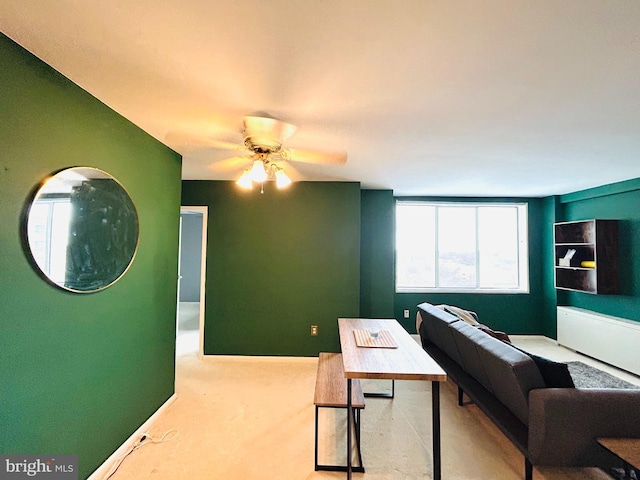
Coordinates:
282 180
245 180
258 172
265 134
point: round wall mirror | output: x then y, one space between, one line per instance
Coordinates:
82 229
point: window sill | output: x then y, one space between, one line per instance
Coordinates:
509 291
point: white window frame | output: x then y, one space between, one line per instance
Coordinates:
54 270
523 249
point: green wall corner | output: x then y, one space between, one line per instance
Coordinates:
377 247
617 201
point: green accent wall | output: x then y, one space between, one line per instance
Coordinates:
79 373
511 313
618 201
550 212
277 263
377 245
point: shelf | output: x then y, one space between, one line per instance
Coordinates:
580 280
575 268
594 241
575 232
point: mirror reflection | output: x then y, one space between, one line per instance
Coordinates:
82 229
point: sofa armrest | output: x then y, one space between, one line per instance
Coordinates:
565 422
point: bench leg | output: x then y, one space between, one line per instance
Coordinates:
356 413
339 468
316 443
528 469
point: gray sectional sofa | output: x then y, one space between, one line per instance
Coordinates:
550 426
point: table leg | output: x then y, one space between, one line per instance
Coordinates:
349 423
435 415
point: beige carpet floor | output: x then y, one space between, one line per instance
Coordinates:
242 418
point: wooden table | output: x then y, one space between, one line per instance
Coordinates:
628 449
406 362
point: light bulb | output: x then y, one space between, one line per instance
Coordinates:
245 180
258 173
282 180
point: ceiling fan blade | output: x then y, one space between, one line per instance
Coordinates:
314 156
210 142
267 129
230 164
186 141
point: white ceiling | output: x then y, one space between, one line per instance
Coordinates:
427 97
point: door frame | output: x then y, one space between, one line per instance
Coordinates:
203 274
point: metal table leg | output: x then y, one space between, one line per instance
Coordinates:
435 414
349 424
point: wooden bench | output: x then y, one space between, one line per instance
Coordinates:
331 392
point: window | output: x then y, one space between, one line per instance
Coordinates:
49 245
461 247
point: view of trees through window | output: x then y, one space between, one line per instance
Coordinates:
461 247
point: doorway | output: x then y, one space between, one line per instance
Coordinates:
191 282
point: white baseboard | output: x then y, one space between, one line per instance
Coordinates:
103 469
257 358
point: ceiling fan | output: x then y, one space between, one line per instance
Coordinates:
263 137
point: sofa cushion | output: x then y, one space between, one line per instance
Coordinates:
512 374
555 374
466 337
435 323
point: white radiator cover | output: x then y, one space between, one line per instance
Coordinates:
613 340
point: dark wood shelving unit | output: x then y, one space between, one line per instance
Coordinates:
594 265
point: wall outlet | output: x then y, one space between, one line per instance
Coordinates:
406 314
314 330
